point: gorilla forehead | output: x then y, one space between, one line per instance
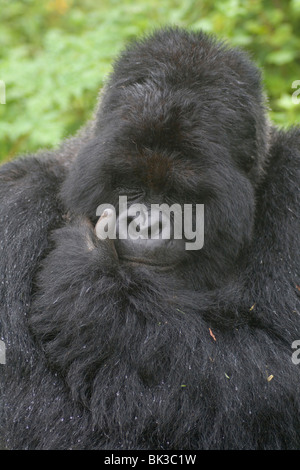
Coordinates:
156 115
210 120
163 119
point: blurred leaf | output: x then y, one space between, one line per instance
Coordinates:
281 57
55 55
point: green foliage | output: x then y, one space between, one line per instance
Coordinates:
56 54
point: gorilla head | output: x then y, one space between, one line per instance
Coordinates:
182 121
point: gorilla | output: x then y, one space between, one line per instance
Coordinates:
139 343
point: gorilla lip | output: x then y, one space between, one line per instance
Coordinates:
152 264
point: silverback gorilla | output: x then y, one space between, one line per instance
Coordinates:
133 344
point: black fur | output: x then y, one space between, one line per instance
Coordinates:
106 355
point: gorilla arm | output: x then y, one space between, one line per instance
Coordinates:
29 209
273 266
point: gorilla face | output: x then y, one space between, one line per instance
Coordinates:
173 131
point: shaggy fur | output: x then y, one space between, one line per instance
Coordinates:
103 354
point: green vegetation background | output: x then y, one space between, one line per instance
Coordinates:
56 54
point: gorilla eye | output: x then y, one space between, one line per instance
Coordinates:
125 187
131 193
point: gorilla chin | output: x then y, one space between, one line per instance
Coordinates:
156 342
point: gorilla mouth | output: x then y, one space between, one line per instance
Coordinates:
147 262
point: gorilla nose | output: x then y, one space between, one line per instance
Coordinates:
147 239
